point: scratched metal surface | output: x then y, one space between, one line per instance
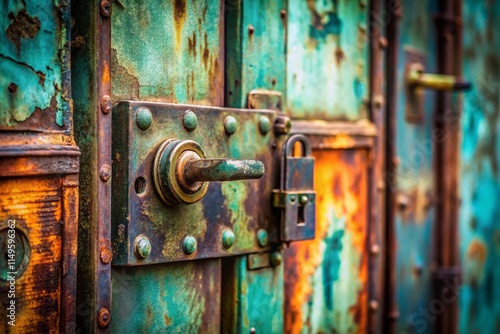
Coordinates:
414 177
327 59
479 296
34 65
326 278
168 51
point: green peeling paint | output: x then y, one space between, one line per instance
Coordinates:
33 62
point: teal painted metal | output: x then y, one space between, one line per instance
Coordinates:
168 51
178 297
34 59
414 176
255 48
327 59
479 295
251 298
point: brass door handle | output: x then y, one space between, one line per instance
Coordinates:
416 77
182 171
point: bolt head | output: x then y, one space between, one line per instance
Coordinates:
262 238
264 124
189 121
276 258
230 125
189 245
143 118
142 247
282 125
228 239
303 200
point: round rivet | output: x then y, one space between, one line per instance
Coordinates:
189 245
103 317
142 247
230 125
293 198
262 238
189 121
143 118
276 259
228 239
105 172
303 199
264 124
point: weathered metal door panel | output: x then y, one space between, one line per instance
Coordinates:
480 182
327 59
412 182
39 166
326 278
158 49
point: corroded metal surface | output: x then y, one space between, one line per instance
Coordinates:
252 296
139 209
327 59
255 48
326 279
39 163
177 297
168 51
479 295
34 91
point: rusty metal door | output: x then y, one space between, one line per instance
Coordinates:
257 166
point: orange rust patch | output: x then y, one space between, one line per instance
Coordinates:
180 13
341 184
35 204
477 251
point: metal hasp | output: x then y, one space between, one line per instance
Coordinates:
296 196
181 171
168 155
417 81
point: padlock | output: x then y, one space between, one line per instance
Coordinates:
296 197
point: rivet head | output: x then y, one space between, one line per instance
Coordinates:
190 121
103 317
105 8
105 172
303 199
105 254
373 305
264 124
142 247
374 250
189 245
230 125
228 239
262 238
293 198
276 258
143 118
106 104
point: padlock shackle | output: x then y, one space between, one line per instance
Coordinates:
287 152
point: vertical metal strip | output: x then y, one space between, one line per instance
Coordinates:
102 243
70 201
390 309
377 185
446 118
